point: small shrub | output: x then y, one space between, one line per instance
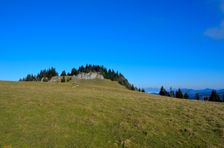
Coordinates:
69 79
63 79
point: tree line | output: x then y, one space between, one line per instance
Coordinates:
179 94
46 74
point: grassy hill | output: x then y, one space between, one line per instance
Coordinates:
102 113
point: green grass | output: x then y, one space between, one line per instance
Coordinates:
101 113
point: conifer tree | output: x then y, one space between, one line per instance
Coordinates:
214 96
197 97
74 72
163 91
179 93
171 93
63 73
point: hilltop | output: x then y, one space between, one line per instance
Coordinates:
103 113
83 72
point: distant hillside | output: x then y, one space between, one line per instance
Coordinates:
191 92
202 93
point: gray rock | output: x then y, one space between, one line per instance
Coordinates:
91 75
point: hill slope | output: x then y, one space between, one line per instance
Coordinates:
101 113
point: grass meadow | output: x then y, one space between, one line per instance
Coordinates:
102 113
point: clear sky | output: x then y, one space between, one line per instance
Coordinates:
178 43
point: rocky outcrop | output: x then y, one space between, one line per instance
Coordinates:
55 79
91 75
85 76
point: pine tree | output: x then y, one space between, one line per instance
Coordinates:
214 96
197 97
132 87
171 93
63 73
74 72
179 94
163 91
49 73
29 77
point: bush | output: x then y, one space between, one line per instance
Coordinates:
45 79
69 79
63 79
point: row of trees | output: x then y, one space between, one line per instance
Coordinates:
179 94
45 75
107 73
171 93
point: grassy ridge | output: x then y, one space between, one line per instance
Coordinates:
101 113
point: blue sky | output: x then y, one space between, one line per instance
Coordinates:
178 43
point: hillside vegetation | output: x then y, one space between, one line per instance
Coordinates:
102 113
47 74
